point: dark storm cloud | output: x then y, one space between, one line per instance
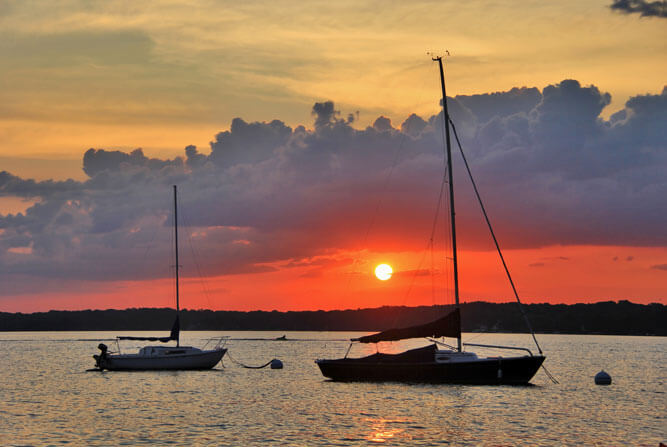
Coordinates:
501 104
324 113
97 161
550 169
641 7
11 185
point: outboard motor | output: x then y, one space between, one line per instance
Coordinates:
99 359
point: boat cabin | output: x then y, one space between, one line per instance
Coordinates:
449 356
160 351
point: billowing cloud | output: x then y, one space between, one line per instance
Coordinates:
550 169
642 7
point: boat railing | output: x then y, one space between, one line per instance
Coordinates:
499 347
439 343
220 342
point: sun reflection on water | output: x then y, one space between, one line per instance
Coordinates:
383 432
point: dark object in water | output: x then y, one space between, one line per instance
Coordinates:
276 364
429 363
282 338
602 378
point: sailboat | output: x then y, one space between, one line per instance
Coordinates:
438 362
156 357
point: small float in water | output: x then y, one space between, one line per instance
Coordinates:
602 378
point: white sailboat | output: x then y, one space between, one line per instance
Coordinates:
156 357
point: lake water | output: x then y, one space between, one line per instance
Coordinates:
48 398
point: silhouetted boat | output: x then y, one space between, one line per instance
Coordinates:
163 357
431 363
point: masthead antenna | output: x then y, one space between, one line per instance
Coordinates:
437 57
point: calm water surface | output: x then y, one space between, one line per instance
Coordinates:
48 398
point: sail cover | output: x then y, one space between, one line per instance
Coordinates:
447 326
175 330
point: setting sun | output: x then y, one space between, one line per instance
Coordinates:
383 272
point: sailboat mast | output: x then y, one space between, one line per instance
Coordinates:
178 310
451 189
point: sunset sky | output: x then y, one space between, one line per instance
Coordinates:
306 141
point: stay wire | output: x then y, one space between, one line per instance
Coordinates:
434 228
448 272
430 243
385 185
493 235
202 280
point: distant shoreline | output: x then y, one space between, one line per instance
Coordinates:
603 318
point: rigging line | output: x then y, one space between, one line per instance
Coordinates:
433 229
412 281
397 152
202 280
433 299
379 203
429 243
447 273
172 259
385 185
149 246
493 235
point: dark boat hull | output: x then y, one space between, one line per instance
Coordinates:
487 371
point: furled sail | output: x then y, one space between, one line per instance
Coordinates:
175 330
447 326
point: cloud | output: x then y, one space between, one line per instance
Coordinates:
98 161
659 267
268 196
642 7
11 185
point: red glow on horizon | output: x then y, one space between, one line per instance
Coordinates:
552 274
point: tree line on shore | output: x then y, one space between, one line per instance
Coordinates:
613 318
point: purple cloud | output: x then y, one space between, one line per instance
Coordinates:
550 169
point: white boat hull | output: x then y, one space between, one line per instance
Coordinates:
171 359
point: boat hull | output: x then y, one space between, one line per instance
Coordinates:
487 371
136 362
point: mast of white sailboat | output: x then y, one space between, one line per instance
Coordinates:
451 190
178 310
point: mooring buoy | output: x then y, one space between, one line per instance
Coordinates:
602 378
276 364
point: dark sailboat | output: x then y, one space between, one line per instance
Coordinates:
163 357
431 363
